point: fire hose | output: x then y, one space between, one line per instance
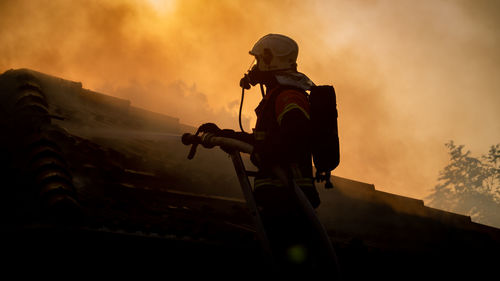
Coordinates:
234 147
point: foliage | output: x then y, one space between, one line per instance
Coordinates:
470 185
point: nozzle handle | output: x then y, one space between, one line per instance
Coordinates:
193 140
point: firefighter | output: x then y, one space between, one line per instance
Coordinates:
281 137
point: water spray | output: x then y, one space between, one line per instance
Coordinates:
125 133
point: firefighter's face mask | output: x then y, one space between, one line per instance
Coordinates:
255 75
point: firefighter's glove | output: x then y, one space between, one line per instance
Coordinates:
209 128
216 131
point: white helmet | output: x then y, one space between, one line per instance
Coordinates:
275 52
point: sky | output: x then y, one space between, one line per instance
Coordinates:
409 75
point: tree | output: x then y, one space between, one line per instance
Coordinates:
470 185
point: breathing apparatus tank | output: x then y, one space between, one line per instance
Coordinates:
325 144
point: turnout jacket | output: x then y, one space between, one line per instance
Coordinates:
282 131
282 137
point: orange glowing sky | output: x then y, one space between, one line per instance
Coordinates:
409 75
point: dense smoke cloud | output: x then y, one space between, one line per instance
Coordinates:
409 76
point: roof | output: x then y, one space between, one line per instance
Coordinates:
90 174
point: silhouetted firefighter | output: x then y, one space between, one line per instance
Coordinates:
295 120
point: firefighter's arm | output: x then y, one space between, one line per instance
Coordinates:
226 133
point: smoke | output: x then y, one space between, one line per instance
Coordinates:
409 76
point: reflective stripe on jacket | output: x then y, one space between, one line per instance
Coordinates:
288 100
302 182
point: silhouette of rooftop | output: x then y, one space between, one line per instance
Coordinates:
91 179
